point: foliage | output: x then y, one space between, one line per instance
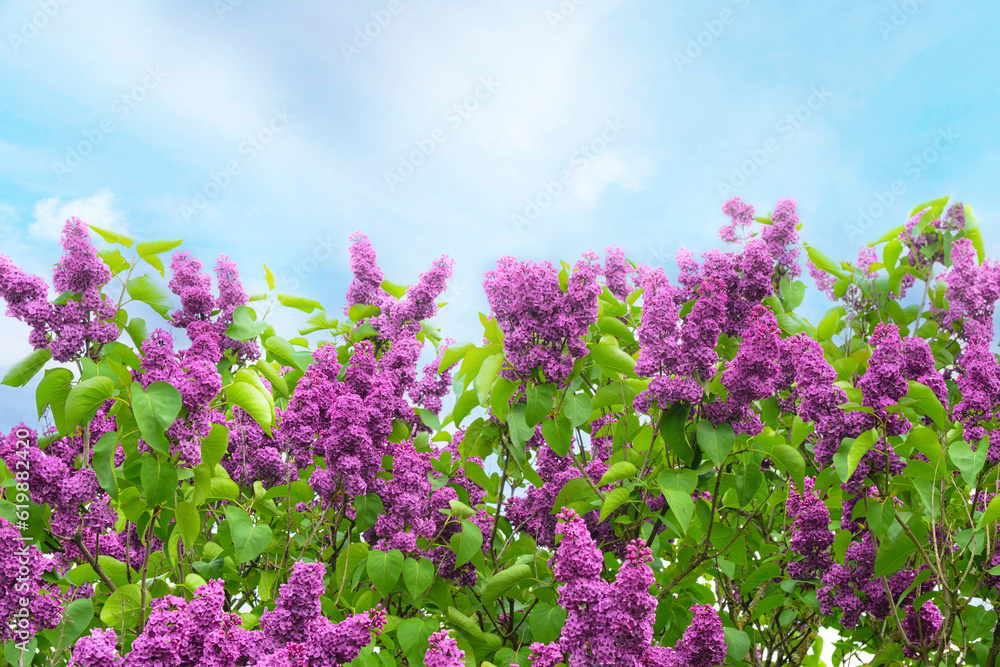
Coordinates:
632 471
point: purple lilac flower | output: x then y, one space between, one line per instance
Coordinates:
443 651
428 391
67 329
922 628
824 281
704 641
543 325
811 535
367 274
972 291
979 385
617 272
741 216
884 383
820 398
21 585
751 375
689 275
782 238
99 649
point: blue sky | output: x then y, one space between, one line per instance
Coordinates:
271 131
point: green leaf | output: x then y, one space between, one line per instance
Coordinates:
273 376
765 572
111 237
145 289
613 500
21 373
539 404
672 430
968 461
103 460
367 509
245 325
823 262
418 575
681 505
155 409
892 555
737 643
991 514
453 354
299 303
827 327
464 405
503 390
546 622
487 374
558 434
250 399
282 350
891 253
466 543
574 490
384 569
577 408
54 384
189 520
159 480
76 618
615 327
926 403
148 250
617 472
214 445
86 398
717 442
791 460
503 581
123 608
413 635
881 516
859 448
269 276
249 539
612 360
465 624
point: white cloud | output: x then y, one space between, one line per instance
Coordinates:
98 210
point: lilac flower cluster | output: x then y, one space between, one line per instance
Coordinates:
543 325
199 305
854 588
612 623
922 629
752 375
819 397
67 329
28 604
194 374
811 535
972 291
200 633
616 272
346 421
443 651
677 355
979 384
782 238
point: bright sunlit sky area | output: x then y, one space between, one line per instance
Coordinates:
271 131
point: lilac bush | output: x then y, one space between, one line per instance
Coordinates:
629 468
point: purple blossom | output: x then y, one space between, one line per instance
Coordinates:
972 291
23 589
922 628
979 385
616 272
811 534
782 238
704 641
443 651
543 325
741 215
99 649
